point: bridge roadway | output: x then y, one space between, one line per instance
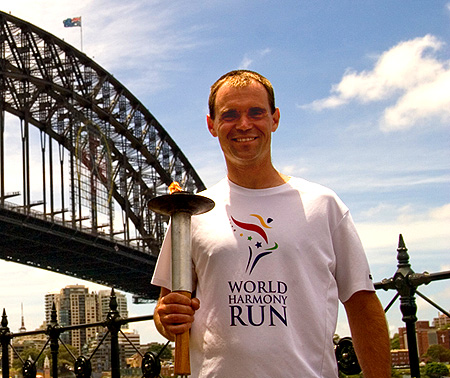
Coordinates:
48 245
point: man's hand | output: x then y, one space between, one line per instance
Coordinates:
174 313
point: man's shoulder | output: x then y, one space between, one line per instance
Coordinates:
216 189
305 186
301 185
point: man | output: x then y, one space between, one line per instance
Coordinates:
270 260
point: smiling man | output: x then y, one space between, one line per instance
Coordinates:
271 260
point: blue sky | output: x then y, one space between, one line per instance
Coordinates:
363 89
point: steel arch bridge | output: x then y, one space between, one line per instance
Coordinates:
102 154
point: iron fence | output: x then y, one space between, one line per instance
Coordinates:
405 281
150 367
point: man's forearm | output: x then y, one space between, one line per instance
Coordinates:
370 334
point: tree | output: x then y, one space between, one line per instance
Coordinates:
156 348
66 359
436 370
437 353
395 342
25 355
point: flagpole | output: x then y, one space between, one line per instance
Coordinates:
81 33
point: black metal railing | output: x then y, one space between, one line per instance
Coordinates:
405 281
151 365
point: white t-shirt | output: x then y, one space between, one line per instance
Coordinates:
269 267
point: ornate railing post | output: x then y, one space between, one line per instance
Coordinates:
53 331
408 305
5 338
401 281
405 282
113 325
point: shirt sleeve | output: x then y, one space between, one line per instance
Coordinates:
352 267
162 276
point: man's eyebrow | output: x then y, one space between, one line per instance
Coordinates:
257 108
228 111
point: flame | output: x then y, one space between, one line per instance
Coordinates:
175 187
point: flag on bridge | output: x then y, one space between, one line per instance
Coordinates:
70 22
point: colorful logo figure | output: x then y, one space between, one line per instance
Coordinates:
255 255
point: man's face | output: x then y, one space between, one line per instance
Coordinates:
244 124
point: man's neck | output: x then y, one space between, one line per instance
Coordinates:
257 178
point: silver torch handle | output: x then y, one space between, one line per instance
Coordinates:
181 282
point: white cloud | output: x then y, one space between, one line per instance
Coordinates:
246 63
410 73
441 213
426 231
429 100
249 58
122 36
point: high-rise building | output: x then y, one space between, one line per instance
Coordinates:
104 298
442 321
50 299
126 337
76 305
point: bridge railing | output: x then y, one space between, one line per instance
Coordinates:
67 223
150 366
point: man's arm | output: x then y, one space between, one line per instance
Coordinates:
174 313
369 334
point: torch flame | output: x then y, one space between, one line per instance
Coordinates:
175 187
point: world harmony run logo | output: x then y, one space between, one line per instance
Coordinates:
255 243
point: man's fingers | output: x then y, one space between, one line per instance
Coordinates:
176 298
176 312
177 322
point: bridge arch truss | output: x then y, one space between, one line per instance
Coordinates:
112 150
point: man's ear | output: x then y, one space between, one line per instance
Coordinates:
275 119
210 123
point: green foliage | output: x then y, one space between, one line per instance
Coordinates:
25 355
395 342
166 353
65 359
436 370
437 353
396 374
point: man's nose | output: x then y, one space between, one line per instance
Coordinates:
244 123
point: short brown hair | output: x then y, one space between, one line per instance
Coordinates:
240 78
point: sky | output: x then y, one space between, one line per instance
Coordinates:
364 93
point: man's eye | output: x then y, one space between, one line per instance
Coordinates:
230 116
256 113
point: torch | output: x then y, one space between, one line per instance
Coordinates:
180 206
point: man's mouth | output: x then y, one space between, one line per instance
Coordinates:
246 139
